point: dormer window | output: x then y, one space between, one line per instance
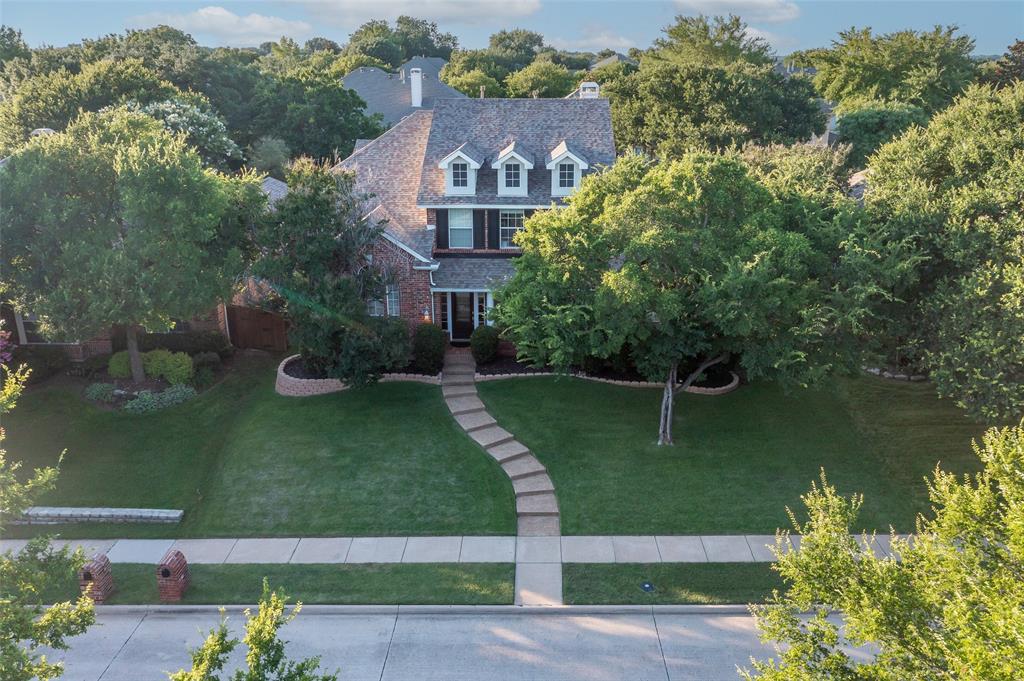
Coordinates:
460 168
566 165
567 175
512 177
513 164
460 174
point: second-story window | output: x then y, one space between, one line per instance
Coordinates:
512 175
567 175
460 228
460 175
510 222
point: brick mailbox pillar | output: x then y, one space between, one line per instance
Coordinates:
96 574
172 577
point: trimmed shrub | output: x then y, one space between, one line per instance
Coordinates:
173 367
484 344
100 392
210 360
148 401
189 342
394 339
118 365
428 345
43 360
203 377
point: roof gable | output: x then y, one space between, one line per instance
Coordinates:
390 94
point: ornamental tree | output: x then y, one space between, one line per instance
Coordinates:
117 222
683 265
952 607
952 189
315 251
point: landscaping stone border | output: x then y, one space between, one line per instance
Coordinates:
289 386
51 515
695 390
885 373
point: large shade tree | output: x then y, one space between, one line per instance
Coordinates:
953 190
684 265
117 222
952 605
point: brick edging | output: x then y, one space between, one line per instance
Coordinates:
289 386
695 390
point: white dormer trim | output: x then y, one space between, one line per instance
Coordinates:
472 165
500 161
580 163
524 176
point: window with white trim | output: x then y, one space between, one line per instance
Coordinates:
512 174
510 222
386 306
460 174
566 175
460 228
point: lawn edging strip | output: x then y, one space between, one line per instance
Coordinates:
469 610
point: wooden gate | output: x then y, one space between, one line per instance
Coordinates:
253 328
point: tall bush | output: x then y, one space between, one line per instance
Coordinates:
428 345
484 344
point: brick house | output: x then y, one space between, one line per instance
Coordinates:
454 184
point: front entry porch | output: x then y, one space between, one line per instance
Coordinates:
459 312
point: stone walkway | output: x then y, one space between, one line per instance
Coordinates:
527 552
537 582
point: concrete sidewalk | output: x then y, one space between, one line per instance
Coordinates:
420 644
520 550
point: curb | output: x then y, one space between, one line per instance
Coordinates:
461 610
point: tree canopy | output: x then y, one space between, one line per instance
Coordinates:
116 222
872 124
541 79
952 190
711 40
951 607
927 69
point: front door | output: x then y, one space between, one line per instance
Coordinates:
462 316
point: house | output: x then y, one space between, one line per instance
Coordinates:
616 58
394 96
454 184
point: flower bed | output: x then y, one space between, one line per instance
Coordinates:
304 385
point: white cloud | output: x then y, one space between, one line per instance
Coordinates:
594 39
351 13
767 11
226 26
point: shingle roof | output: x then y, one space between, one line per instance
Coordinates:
390 95
274 188
613 59
388 168
469 151
491 124
515 147
564 147
477 274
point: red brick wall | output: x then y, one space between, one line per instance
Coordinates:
413 285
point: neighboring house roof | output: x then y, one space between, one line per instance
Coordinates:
490 125
388 168
274 188
360 143
472 274
858 184
613 59
390 94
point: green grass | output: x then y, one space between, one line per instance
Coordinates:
459 584
739 459
244 461
674 584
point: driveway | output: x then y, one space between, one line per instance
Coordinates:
388 643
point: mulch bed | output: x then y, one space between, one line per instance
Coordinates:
504 366
297 369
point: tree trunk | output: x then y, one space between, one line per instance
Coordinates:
134 358
667 402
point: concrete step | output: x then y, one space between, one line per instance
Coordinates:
458 390
464 405
539 483
491 436
475 420
508 451
458 379
539 526
537 504
522 466
459 368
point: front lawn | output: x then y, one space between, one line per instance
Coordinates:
244 461
383 584
739 459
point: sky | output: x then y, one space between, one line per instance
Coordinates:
568 24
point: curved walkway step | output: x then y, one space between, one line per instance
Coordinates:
537 517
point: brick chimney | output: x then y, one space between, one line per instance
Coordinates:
416 85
